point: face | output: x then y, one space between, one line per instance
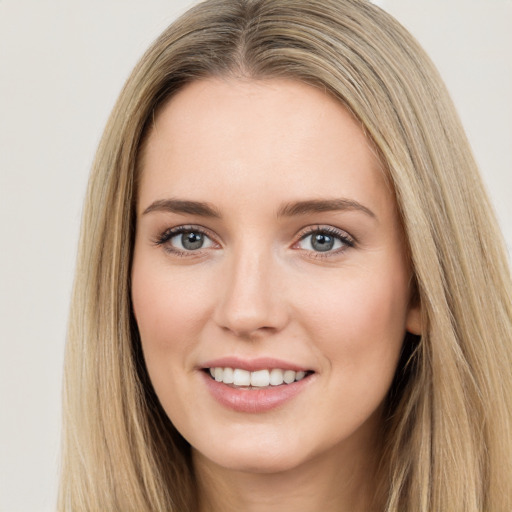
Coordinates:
269 280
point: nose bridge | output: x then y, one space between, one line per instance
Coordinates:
250 301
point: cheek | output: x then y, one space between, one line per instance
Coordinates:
360 329
359 321
171 307
167 303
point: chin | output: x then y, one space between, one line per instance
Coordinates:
254 458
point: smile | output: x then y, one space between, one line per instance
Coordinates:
239 378
257 385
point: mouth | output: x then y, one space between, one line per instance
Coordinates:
255 385
239 378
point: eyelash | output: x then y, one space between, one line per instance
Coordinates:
342 236
170 233
346 240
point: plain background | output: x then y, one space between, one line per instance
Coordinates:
62 64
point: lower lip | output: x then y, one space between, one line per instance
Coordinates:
254 400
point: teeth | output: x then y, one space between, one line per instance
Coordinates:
257 379
276 377
241 377
289 376
260 379
228 376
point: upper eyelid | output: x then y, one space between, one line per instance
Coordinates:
325 228
189 227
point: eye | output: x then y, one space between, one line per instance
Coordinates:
325 240
190 241
184 239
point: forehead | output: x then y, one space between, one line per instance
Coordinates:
231 138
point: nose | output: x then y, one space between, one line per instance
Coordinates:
251 299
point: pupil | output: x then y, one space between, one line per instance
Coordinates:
322 242
191 241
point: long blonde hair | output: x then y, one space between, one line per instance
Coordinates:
448 432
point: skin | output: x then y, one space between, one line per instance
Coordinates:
258 288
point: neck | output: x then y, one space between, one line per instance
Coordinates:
339 481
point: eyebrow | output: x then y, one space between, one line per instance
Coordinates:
203 209
182 206
323 205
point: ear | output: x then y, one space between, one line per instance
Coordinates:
413 320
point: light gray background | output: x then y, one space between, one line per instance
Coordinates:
62 64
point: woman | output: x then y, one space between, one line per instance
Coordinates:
291 291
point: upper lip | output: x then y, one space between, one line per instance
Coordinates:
252 365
